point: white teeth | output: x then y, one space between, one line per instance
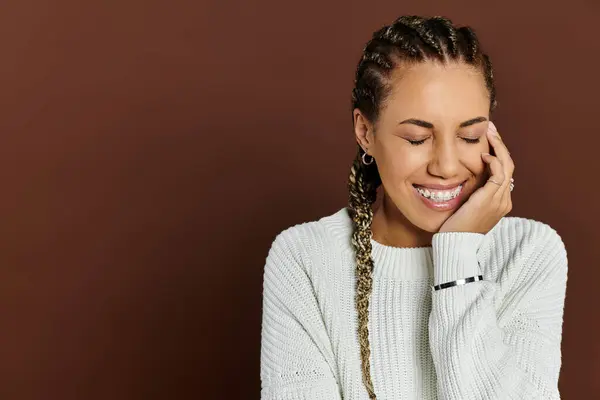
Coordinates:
440 195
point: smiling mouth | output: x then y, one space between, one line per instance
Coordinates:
438 195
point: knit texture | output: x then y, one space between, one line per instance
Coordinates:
499 338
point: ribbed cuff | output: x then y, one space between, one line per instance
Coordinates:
455 255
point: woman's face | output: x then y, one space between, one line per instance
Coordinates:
443 110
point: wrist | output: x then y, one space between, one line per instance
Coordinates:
455 256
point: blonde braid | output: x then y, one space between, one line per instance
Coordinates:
362 186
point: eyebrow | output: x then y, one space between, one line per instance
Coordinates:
429 125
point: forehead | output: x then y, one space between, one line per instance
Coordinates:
436 91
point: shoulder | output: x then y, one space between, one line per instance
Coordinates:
522 248
305 243
518 233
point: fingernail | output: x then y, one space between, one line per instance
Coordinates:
493 131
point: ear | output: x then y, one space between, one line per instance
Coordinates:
363 130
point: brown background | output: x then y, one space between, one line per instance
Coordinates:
151 151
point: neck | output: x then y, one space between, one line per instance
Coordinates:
391 228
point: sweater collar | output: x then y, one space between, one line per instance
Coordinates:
389 262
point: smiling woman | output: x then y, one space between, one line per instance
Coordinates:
435 293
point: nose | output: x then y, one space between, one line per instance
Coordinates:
445 161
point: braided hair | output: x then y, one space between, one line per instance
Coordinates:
409 39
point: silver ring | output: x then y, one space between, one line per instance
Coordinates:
491 180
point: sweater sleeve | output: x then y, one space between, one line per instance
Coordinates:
477 353
296 354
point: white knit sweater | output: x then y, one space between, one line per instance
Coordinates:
499 338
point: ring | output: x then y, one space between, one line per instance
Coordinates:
510 187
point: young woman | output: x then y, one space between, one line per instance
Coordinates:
433 293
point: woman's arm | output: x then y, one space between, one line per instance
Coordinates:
296 355
516 355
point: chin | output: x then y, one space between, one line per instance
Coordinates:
431 225
423 218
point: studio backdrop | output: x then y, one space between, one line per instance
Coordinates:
151 150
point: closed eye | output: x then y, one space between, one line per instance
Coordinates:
418 142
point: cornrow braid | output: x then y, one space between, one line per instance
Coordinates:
426 34
444 30
409 39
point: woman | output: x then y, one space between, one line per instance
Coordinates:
434 294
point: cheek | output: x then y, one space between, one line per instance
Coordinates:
476 166
397 166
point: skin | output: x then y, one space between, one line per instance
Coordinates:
453 101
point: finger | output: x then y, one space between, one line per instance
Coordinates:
501 150
508 164
496 179
504 157
507 198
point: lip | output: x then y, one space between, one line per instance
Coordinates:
443 206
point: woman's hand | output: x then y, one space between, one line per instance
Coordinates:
488 204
